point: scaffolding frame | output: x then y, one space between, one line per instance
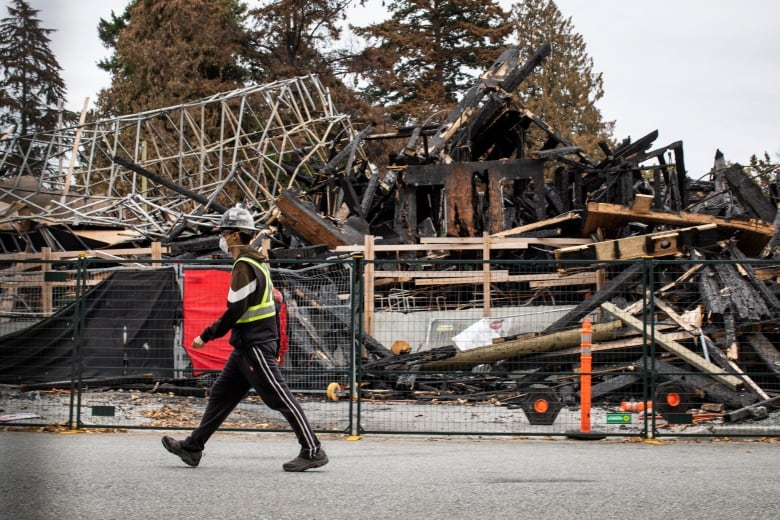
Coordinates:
246 146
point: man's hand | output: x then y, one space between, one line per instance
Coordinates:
197 343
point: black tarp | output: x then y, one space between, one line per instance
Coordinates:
129 327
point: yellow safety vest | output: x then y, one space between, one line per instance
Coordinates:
266 308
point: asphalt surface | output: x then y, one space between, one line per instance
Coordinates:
129 475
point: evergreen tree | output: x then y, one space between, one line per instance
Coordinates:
290 38
171 51
565 89
30 83
428 53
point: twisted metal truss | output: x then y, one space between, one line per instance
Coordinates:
240 146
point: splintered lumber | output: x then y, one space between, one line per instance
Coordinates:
690 357
751 235
523 347
663 243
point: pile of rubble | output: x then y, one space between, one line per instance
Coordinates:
282 148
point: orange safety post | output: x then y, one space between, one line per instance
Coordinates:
586 365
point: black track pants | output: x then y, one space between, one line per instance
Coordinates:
254 368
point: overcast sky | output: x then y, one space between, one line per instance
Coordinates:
706 73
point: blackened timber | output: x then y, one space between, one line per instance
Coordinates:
767 294
572 318
504 73
755 411
766 351
751 196
168 184
525 346
456 178
745 300
310 226
614 384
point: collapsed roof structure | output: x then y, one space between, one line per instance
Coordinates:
284 151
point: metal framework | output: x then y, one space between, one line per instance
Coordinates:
240 146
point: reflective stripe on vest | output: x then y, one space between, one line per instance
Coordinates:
266 308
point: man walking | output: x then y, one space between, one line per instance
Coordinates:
251 317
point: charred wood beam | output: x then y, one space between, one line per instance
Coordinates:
755 411
767 294
342 317
503 74
312 227
766 351
629 151
168 184
750 195
627 276
525 346
614 384
745 300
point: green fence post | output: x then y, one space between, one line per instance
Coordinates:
74 405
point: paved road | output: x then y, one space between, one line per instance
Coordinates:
129 475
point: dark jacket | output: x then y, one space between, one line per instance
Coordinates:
246 289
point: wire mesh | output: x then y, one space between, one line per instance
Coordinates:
676 348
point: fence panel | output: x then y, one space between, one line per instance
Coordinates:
387 346
719 374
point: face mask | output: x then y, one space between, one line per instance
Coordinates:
223 245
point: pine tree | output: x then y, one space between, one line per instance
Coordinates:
169 52
565 89
428 53
290 38
30 83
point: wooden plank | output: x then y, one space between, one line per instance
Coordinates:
752 235
666 243
541 224
642 203
368 280
687 355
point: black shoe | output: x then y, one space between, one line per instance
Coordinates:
303 462
191 458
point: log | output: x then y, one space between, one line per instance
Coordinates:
523 347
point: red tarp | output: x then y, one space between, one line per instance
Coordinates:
205 298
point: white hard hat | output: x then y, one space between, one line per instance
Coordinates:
238 218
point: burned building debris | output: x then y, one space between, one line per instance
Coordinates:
459 190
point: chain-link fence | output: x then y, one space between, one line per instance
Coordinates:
500 347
